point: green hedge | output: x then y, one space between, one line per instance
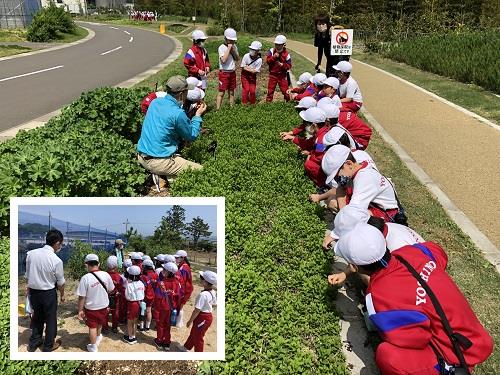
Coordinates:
470 57
279 314
48 23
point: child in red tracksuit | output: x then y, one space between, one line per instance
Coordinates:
167 295
250 66
116 296
186 280
359 130
304 104
148 278
201 318
280 62
196 58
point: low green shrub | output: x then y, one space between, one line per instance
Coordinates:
75 268
215 30
47 22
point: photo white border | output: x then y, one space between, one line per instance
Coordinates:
15 202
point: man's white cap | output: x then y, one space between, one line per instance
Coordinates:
314 114
127 263
331 110
134 270
347 218
193 82
363 245
144 257
318 79
280 39
148 263
343 66
171 267
112 261
180 253
198 34
91 257
255 45
306 102
230 34
332 82
195 95
209 276
323 102
135 256
333 159
159 257
168 258
304 78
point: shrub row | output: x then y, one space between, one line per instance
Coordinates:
470 57
279 317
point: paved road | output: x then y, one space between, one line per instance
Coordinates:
461 154
58 77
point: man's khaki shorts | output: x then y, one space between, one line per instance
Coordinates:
169 167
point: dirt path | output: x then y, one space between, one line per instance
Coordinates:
458 152
74 333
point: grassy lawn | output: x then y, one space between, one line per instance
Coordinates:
12 50
12 35
469 96
80 33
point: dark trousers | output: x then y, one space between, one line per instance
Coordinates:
44 304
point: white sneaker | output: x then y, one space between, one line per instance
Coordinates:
91 347
98 340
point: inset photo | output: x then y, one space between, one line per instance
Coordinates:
95 278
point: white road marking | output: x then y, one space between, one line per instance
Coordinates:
29 74
131 39
112 50
126 32
114 28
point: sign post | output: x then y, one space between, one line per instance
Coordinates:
341 42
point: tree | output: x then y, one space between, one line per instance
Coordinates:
172 227
198 229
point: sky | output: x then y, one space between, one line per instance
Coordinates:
143 218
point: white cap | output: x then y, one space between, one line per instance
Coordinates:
280 39
333 136
347 218
141 254
363 245
193 82
331 111
343 66
91 257
148 263
332 82
112 261
230 34
209 276
319 79
144 257
314 114
134 270
180 253
198 34
195 95
168 258
306 102
135 256
333 159
159 257
127 263
255 45
171 267
323 102
304 78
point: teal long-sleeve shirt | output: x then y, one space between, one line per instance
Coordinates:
164 126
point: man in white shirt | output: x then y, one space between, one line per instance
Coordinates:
44 272
350 94
228 55
93 300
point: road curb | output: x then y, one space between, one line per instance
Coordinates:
90 36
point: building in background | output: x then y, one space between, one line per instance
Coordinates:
72 6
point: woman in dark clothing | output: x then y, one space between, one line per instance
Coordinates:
322 40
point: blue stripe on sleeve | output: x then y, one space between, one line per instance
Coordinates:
389 320
425 250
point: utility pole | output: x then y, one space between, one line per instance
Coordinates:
105 238
50 221
88 237
126 223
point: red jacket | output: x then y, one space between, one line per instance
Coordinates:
196 58
149 280
186 281
404 314
311 90
166 292
274 67
360 131
117 282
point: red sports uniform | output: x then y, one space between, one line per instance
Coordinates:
149 280
408 321
310 90
360 132
186 283
312 165
278 67
118 295
195 59
200 326
166 297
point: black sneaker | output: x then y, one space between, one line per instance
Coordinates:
147 329
158 345
130 341
166 347
34 348
114 329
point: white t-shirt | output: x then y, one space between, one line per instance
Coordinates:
370 186
205 300
250 62
96 297
360 156
336 100
134 290
44 269
398 236
350 89
229 64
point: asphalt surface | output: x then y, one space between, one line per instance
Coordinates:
114 55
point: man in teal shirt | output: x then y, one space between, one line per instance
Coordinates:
165 125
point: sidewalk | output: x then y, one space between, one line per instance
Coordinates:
458 152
